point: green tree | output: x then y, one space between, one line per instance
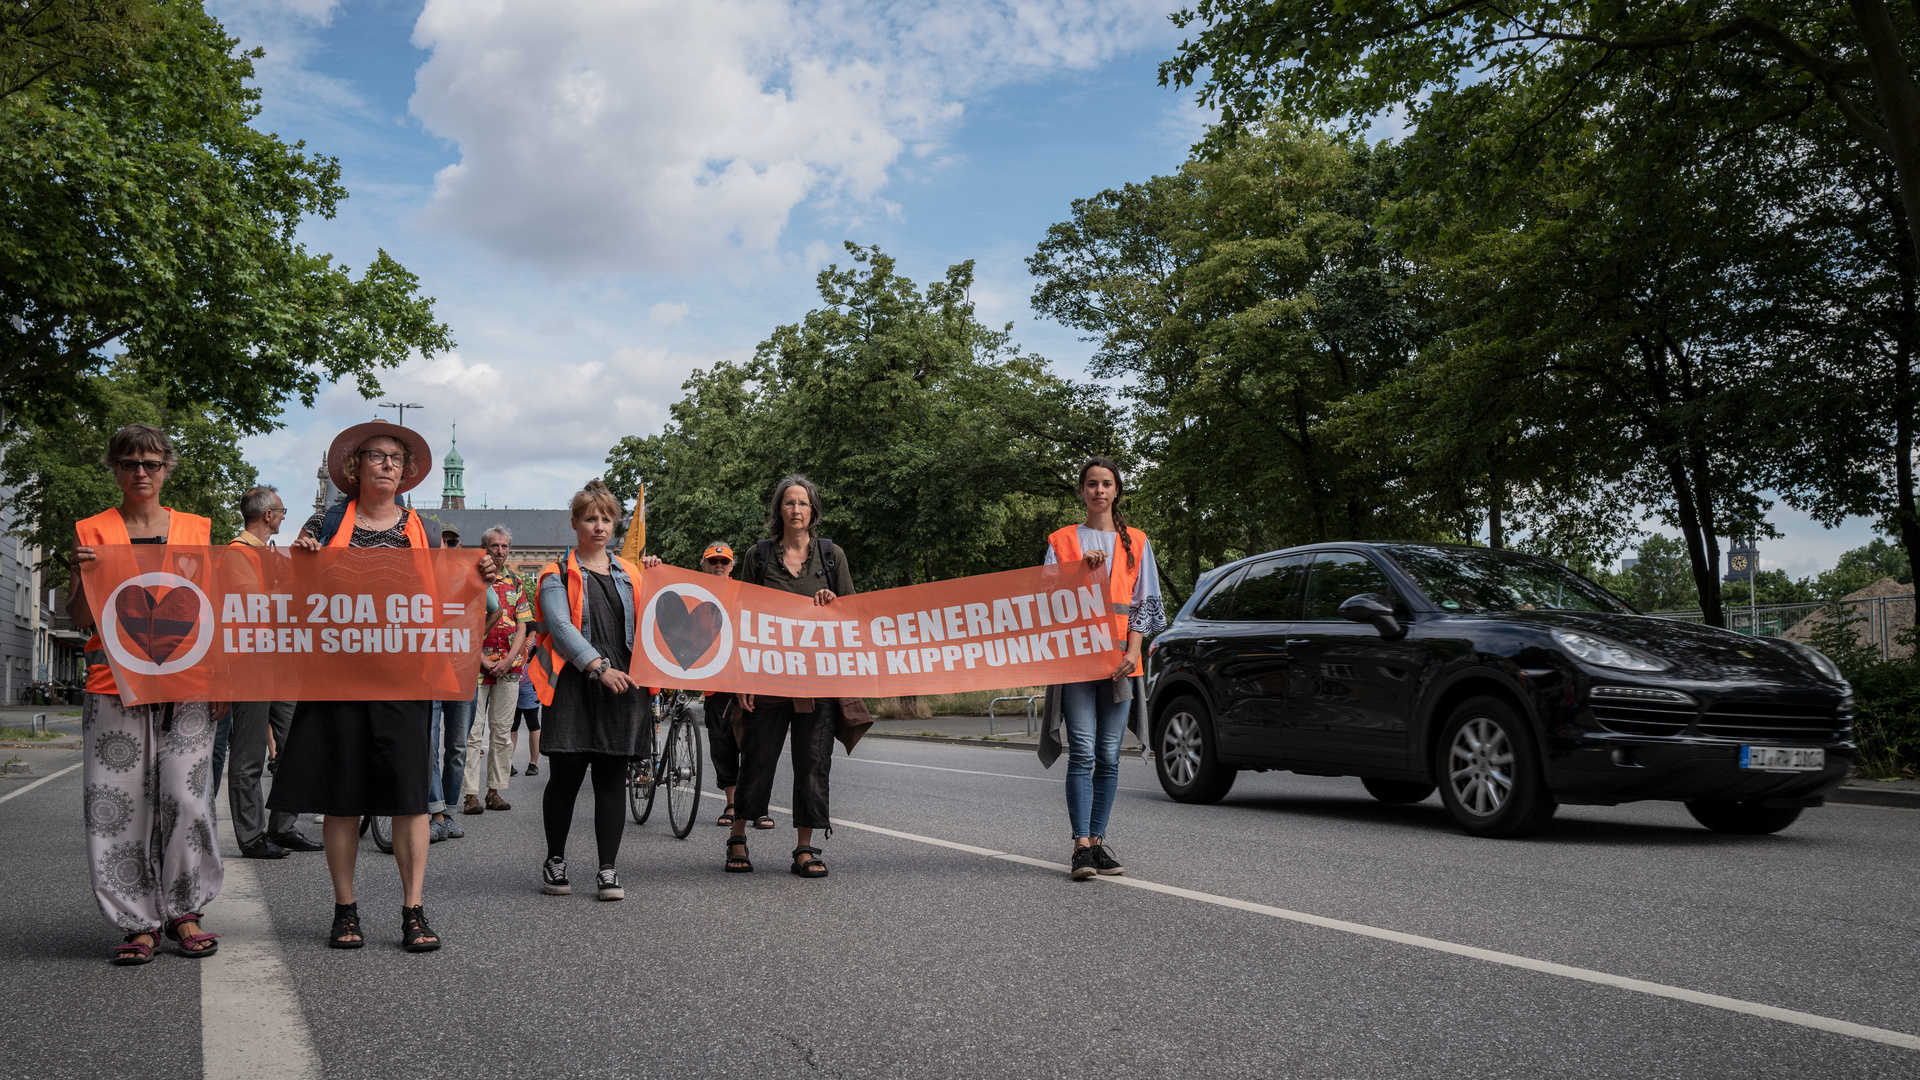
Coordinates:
1862 566
56 473
147 217
1240 299
940 449
1660 579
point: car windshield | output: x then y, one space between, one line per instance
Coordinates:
1478 580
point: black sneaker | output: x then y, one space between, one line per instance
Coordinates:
1083 866
1104 862
553 877
533 770
609 882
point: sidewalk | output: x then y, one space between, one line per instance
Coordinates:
29 760
1904 793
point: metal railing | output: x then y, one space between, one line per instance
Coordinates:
1886 617
1032 701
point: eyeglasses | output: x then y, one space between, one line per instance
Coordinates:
381 457
128 464
719 561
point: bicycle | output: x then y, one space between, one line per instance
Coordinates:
382 829
676 764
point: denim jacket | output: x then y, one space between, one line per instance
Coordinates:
568 641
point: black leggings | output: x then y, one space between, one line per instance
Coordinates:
565 773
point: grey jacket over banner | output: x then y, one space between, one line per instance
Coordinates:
1053 722
569 641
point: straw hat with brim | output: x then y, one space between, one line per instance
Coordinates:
348 443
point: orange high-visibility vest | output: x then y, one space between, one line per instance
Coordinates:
543 667
343 536
108 528
1120 577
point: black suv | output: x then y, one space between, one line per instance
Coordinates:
1509 681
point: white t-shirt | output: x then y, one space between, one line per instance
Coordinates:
1149 612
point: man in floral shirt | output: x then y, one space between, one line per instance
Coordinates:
501 665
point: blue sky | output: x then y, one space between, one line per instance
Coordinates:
603 195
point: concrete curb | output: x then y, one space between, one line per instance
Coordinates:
1875 796
997 744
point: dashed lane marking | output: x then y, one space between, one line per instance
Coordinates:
251 1026
1491 956
37 783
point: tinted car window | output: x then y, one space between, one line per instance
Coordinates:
1472 579
1218 605
1270 591
1339 575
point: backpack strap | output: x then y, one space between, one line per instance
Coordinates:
330 524
762 556
829 561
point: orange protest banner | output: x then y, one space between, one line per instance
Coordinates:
1045 625
270 624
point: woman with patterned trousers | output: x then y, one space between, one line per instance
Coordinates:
146 768
347 759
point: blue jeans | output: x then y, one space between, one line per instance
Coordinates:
1095 726
451 721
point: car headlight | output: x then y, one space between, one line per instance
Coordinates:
1819 660
1600 652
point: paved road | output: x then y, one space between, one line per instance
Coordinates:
916 959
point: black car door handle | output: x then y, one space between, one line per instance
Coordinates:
1292 641
1206 641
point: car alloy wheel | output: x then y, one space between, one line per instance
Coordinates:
1180 747
1480 767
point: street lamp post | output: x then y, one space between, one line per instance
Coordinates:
401 418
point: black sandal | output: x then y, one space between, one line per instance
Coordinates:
811 866
415 934
738 864
726 816
346 921
763 822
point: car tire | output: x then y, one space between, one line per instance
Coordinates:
1184 754
1397 791
1743 818
1488 765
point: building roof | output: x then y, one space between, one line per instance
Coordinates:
530 528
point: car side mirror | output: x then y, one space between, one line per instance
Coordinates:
1371 608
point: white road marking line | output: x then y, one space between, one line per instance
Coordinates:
37 783
977 772
1527 963
251 1026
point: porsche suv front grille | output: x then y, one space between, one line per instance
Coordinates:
1769 720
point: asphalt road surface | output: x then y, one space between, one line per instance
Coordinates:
1298 929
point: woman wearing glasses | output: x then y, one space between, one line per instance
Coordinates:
347 759
147 768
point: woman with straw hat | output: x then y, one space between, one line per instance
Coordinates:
347 759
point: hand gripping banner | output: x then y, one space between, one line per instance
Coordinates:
271 624
1045 625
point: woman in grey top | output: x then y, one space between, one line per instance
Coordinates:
594 716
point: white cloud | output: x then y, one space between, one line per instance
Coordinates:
610 135
664 314
284 31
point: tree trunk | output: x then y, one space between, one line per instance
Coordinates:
1705 570
1496 527
1899 100
1905 518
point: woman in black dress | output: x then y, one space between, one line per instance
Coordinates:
347 759
592 715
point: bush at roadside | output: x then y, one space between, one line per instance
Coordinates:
1886 696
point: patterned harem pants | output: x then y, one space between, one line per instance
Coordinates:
150 817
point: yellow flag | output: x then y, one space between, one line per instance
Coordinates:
636 543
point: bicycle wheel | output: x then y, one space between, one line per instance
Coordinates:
639 793
383 834
682 774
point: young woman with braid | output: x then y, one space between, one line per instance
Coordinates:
1095 722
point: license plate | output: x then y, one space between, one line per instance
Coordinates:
1782 759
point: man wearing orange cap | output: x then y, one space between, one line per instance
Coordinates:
722 749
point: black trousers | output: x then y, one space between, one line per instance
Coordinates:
722 749
812 743
247 763
564 775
